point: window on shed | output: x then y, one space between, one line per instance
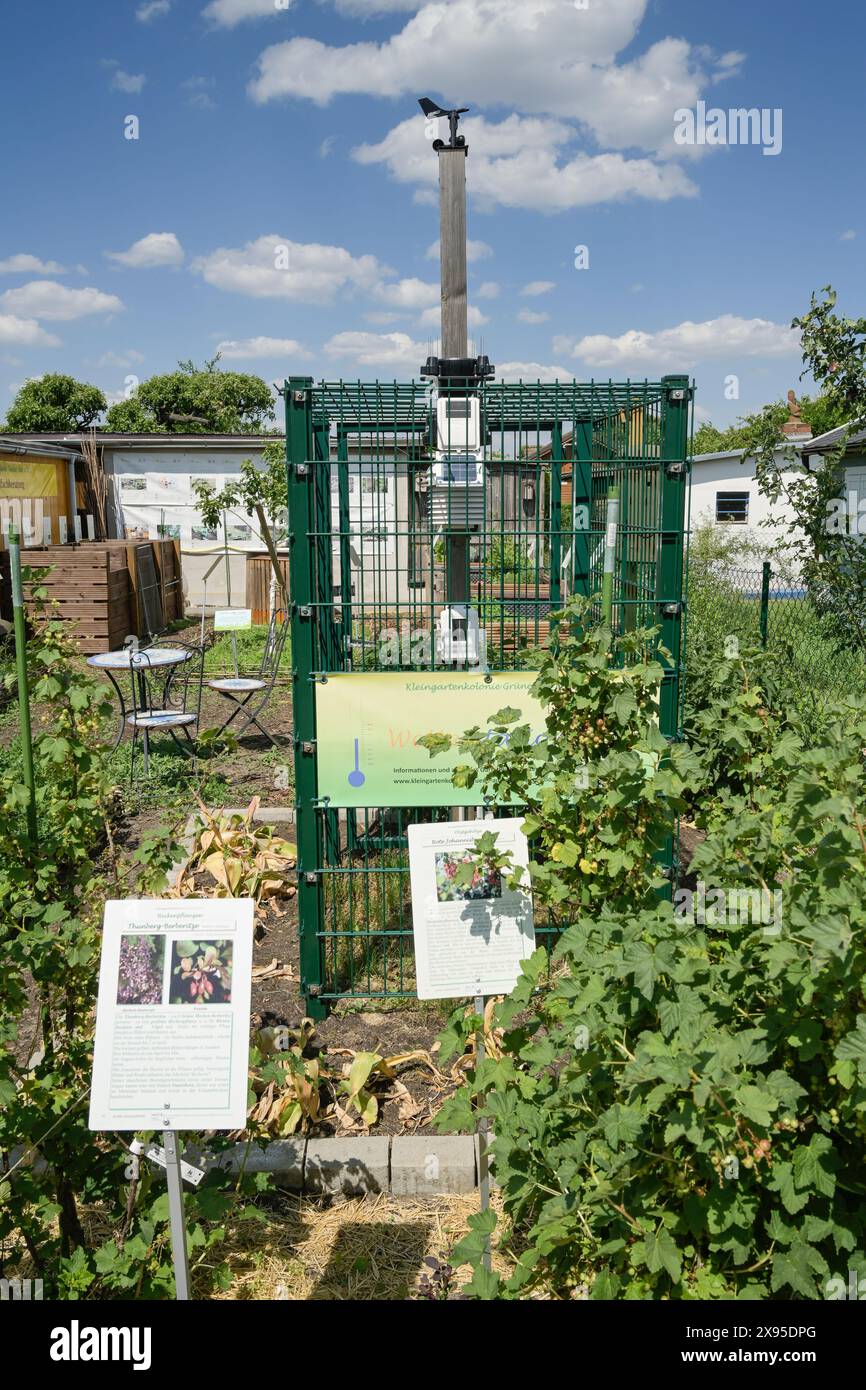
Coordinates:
732 506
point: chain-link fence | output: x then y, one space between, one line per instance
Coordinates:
764 607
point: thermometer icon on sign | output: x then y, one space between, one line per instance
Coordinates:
356 776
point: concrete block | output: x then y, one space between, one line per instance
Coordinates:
348 1167
432 1165
282 1157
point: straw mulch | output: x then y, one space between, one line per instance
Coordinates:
368 1249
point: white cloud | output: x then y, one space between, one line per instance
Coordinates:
395 350
849 235
537 287
229 13
362 9
46 299
475 250
410 293
531 371
314 276
248 349
129 358
537 56
532 316
153 9
327 145
22 263
488 290
127 81
431 318
157 248
727 337
24 332
523 161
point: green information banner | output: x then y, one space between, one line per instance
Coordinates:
368 725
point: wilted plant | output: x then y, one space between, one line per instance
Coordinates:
247 858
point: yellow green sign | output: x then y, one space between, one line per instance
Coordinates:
368 726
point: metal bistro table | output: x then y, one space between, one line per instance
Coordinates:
138 662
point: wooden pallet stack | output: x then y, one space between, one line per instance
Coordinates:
108 589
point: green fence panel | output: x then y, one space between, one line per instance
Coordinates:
384 534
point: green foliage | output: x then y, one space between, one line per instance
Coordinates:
192 401
709 440
824 412
260 492
681 1114
834 564
506 557
742 719
50 929
55 403
601 787
678 1103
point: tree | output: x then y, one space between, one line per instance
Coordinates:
709 440
196 400
834 565
260 492
56 404
821 413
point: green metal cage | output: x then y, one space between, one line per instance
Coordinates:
395 502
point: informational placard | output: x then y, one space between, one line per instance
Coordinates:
368 725
232 619
173 1015
470 935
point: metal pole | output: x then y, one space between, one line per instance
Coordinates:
297 394
455 340
483 1162
765 602
23 689
610 534
452 250
234 636
176 1218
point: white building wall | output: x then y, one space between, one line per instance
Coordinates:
730 472
152 488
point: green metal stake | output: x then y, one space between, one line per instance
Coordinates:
612 526
23 690
765 602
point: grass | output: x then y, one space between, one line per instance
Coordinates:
250 643
820 669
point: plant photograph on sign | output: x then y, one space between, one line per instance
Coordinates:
201 972
460 880
139 974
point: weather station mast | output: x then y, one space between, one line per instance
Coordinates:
457 489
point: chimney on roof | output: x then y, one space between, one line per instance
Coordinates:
795 426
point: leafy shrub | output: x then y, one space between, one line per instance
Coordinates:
53 1167
602 786
681 1113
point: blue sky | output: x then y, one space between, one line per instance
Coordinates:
262 126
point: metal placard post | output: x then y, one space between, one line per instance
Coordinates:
176 1220
481 1131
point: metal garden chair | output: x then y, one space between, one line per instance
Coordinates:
166 682
251 694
